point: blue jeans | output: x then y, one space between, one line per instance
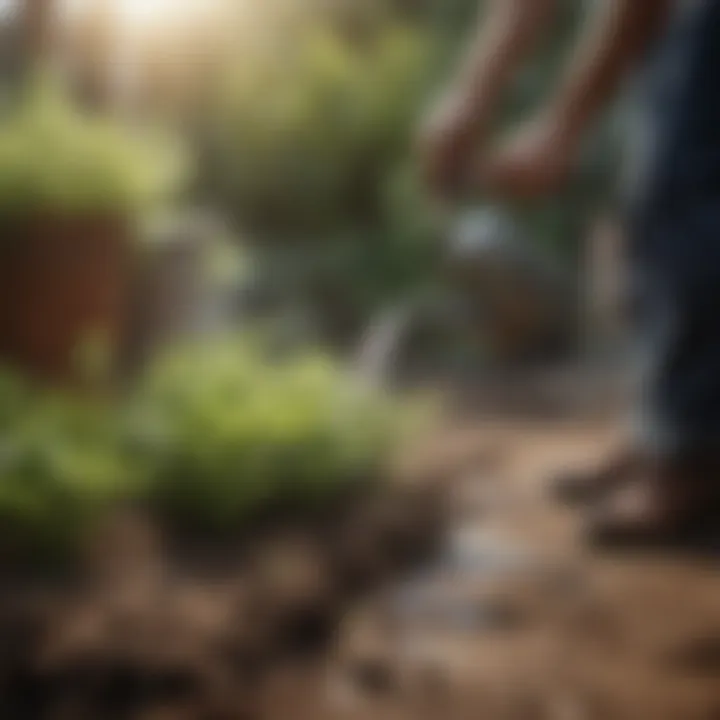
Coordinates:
673 219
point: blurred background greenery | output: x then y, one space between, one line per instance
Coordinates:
298 116
291 122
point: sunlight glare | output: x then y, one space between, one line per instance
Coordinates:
146 14
140 16
8 9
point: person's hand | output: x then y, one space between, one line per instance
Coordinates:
448 140
534 161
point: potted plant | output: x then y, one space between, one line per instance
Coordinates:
71 189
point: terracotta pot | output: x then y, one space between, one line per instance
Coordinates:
63 282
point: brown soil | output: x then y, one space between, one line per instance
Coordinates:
570 634
305 622
154 627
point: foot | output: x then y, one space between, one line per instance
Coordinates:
585 487
667 503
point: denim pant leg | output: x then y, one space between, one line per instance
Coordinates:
675 237
679 339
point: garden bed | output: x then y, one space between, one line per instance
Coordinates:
146 627
168 549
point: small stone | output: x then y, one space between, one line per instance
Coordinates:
500 614
374 675
433 681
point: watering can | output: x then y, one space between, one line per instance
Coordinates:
520 299
505 290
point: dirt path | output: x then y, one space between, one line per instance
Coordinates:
518 621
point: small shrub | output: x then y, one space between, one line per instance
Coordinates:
307 144
61 466
227 431
213 436
304 135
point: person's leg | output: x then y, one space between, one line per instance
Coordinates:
674 485
675 234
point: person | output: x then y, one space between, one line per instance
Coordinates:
665 486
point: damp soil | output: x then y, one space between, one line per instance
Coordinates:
162 622
469 597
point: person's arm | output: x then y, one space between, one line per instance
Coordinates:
538 157
616 35
506 34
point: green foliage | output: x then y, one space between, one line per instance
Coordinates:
61 466
13 396
306 133
227 430
55 159
214 435
308 151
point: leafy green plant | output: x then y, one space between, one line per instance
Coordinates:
307 144
214 435
13 397
61 467
55 159
305 134
227 430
